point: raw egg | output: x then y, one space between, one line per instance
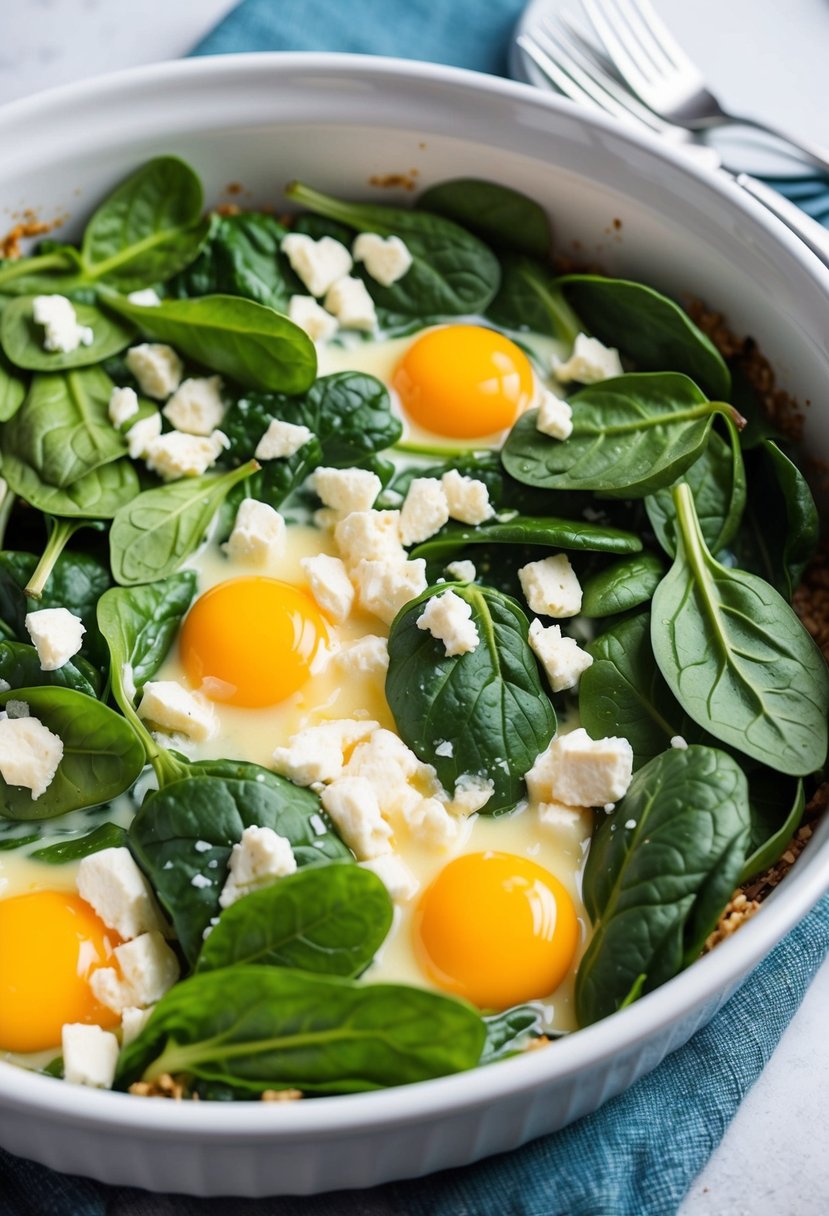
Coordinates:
50 943
463 381
497 929
251 641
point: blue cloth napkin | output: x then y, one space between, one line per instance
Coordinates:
639 1154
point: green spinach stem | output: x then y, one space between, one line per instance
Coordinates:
61 532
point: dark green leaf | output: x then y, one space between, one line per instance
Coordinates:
20 668
510 1032
524 530
12 389
529 299
776 805
242 258
718 484
625 584
98 495
499 215
22 338
105 836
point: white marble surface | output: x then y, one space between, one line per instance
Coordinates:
773 1157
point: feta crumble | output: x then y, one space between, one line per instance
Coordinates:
345 490
317 263
60 321
555 417
123 405
113 885
330 585
258 860
156 367
448 618
196 406
90 1055
550 587
386 259
467 498
562 658
353 806
281 439
258 535
319 325
349 301
29 754
57 635
589 363
425 510
177 454
173 707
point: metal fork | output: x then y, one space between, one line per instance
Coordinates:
653 64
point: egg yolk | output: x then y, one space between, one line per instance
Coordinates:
251 641
464 381
497 929
50 943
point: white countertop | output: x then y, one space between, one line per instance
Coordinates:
773 1158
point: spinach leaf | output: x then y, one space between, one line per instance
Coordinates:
148 228
625 584
153 534
488 703
330 920
623 693
452 272
776 804
20 668
525 530
649 328
242 258
7 843
660 870
97 495
737 657
245 341
139 624
12 389
718 483
529 299
499 215
509 1032
63 429
258 1028
104 836
22 338
101 755
216 810
631 436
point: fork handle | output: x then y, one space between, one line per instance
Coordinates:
813 234
820 156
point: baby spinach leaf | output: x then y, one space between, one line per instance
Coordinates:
22 338
631 436
488 702
13 388
509 1032
97 495
660 870
63 429
152 535
623 693
101 755
529 298
649 328
260 1028
240 338
104 836
776 804
148 228
242 258
737 657
452 272
275 481
525 530
215 810
499 215
625 584
20 668
718 483
330 920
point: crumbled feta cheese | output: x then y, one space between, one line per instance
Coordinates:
385 761
319 325
467 497
370 536
472 793
4 685
589 362
550 587
555 417
156 367
17 709
351 304
90 1055
259 859
60 321
463 571
281 439
142 434
679 743
346 490
330 585
147 297
29 754
113 885
133 1021
386 259
258 535
425 510
147 968
429 820
176 454
196 406
123 405
395 875
368 656
56 634
448 618
201 882
173 707
561 657
569 821
353 806
582 771
445 748
317 263
317 753
385 585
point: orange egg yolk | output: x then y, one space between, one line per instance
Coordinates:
50 943
251 641
497 929
464 381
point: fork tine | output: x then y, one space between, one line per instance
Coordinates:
554 72
662 37
649 45
617 43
